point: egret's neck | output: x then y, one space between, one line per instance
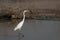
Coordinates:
23 16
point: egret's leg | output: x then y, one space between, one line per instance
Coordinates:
20 35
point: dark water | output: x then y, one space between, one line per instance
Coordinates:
32 30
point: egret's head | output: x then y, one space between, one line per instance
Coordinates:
26 11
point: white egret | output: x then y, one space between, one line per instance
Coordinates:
19 26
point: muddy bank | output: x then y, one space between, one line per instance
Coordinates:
14 9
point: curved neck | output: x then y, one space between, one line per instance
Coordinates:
23 16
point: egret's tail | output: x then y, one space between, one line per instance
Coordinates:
15 29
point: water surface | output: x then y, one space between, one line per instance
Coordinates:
32 30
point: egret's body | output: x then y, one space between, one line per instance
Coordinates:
19 26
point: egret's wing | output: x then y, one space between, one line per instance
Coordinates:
19 26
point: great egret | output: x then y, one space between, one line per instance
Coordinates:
19 26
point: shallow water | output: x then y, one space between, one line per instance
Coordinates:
32 30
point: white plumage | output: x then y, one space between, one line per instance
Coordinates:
19 26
